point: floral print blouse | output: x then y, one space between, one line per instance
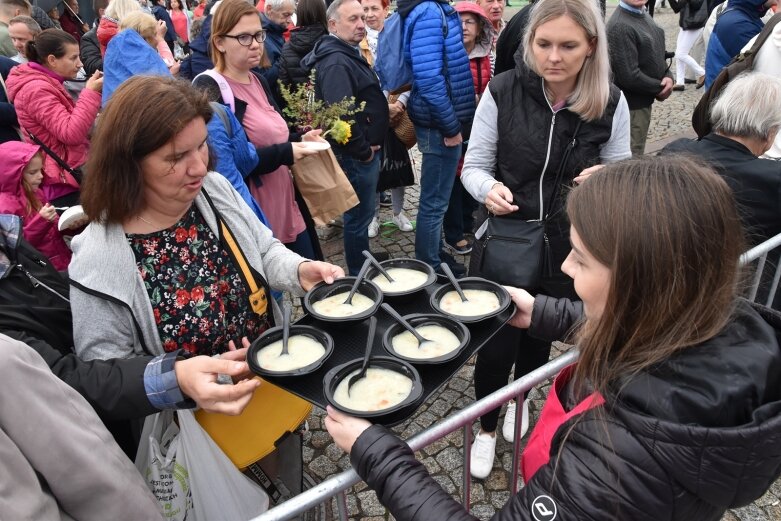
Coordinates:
198 297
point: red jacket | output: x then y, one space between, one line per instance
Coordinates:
45 108
107 29
481 73
42 234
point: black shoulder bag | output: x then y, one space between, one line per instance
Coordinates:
516 252
75 172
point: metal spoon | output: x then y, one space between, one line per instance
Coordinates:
366 356
453 281
285 327
409 327
377 265
358 279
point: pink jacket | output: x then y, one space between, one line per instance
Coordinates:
42 234
45 108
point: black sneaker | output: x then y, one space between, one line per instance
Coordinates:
385 199
458 269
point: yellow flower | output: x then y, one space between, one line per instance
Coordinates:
340 131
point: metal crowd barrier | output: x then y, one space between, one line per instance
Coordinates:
463 419
336 485
761 252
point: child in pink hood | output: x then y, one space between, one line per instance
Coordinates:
21 174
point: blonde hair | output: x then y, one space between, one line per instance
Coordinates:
142 23
592 90
119 9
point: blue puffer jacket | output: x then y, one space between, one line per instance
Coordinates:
426 48
739 23
236 157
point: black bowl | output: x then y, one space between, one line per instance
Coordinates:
334 377
412 264
472 283
275 333
323 291
417 320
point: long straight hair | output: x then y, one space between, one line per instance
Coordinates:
592 90
33 204
669 231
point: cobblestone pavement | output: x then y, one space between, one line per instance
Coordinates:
443 459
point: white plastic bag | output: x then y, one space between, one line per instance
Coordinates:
219 490
161 463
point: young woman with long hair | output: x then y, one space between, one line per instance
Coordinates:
673 410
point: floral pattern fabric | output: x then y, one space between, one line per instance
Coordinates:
198 297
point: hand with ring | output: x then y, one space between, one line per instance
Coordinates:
499 200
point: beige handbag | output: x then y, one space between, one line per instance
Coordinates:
404 128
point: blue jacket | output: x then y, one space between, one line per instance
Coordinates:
8 120
235 157
199 59
435 102
739 23
160 13
128 55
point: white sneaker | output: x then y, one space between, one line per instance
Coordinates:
508 429
374 228
482 455
402 222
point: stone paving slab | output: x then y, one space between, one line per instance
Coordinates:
443 459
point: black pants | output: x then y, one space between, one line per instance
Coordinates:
526 352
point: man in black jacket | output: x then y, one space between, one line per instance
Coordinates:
91 59
34 309
342 73
9 126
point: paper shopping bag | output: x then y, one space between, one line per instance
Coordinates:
323 185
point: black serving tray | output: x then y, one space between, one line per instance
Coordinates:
350 342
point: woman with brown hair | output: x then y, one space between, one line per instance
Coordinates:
674 409
153 272
236 49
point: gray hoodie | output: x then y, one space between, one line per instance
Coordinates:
112 315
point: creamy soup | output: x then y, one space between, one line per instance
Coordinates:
442 342
334 305
404 279
380 389
302 351
479 302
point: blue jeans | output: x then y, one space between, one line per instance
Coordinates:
458 217
437 173
363 177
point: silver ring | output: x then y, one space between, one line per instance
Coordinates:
491 207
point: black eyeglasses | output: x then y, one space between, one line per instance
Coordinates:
246 39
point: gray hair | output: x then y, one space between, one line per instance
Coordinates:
277 5
31 24
332 13
748 107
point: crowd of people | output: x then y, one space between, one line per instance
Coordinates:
165 122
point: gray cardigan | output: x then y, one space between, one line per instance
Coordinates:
109 302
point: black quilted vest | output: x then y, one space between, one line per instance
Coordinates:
525 124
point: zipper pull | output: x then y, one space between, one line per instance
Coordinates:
547 254
35 282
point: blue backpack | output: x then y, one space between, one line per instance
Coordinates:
392 69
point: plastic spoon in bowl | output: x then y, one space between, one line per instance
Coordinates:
285 328
358 279
453 281
377 265
367 355
409 327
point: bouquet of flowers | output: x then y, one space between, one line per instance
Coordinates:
307 112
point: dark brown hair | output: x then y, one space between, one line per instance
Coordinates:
48 42
145 113
311 12
669 230
224 20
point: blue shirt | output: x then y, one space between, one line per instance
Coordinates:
638 10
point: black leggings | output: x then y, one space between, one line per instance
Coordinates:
526 352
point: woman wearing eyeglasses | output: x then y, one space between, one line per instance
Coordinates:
237 50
